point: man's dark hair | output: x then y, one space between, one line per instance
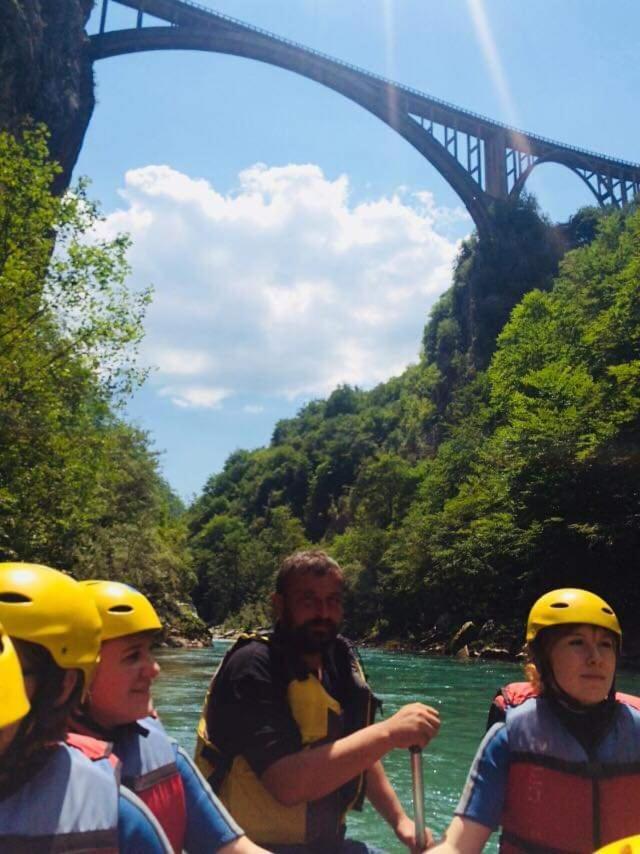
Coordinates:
314 561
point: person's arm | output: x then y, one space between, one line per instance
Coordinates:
385 801
209 826
481 805
242 846
308 775
463 836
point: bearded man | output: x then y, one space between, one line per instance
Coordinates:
287 736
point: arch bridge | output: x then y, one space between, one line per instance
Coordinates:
483 160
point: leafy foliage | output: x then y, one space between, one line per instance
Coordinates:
505 462
79 488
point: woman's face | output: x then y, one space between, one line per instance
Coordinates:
120 692
583 662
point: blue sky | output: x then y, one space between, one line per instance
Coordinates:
294 241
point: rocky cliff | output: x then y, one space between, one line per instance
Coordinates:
45 72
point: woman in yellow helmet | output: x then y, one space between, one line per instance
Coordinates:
562 771
119 709
52 798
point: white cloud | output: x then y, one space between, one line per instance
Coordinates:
442 218
284 287
253 408
195 397
172 360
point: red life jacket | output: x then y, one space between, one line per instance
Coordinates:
94 749
517 692
147 760
559 799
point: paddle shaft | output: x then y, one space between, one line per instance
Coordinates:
418 796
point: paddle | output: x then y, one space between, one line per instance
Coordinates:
418 795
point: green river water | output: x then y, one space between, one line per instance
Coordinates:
461 691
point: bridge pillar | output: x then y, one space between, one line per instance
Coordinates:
495 169
623 191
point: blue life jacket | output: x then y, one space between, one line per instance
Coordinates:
69 805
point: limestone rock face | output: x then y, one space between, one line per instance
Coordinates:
46 73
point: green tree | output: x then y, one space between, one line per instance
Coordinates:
503 463
79 488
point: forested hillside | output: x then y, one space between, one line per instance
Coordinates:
506 461
79 487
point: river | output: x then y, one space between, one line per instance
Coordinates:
460 690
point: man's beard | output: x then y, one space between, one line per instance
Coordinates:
313 636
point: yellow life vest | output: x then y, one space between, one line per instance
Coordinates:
319 718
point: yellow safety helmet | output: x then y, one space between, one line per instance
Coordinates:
628 845
44 606
14 704
571 605
123 609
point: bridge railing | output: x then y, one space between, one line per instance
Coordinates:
403 88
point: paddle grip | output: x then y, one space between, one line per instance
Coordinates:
418 795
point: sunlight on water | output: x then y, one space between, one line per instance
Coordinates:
461 691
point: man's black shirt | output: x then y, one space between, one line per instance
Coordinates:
249 713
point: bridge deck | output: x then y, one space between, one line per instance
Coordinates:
187 12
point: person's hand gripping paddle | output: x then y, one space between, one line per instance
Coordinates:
418 795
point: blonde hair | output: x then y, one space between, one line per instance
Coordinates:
539 653
533 676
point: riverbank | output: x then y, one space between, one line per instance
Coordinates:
448 638
489 643
461 645
466 641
